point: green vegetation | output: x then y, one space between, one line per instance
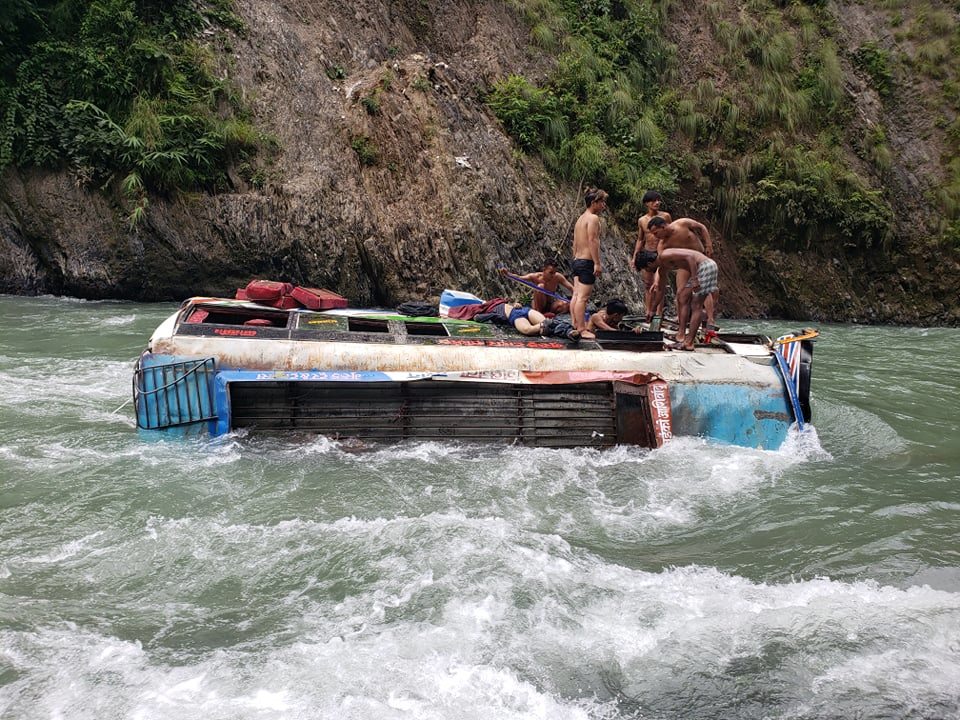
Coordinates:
371 103
875 62
366 150
754 144
122 92
595 119
421 83
936 56
335 72
372 100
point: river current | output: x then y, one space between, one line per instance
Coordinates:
268 578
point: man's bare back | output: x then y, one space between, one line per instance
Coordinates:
700 272
686 234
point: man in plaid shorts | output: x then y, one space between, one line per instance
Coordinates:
691 235
701 284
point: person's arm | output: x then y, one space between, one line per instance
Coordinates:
656 275
694 266
593 242
601 321
655 285
637 246
704 234
595 322
633 258
532 277
564 282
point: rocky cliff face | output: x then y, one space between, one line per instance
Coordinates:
392 181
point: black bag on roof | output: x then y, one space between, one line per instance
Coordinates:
416 308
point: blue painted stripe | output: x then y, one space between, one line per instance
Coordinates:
230 376
789 387
221 398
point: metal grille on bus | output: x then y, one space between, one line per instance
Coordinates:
540 415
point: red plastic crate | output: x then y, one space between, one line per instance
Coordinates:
287 302
267 289
318 299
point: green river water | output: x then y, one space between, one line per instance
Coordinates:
252 577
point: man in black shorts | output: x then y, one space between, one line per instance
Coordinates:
586 258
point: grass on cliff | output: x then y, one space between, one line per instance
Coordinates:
123 93
596 118
760 142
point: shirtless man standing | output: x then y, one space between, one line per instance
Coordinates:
685 234
550 279
701 274
647 241
586 258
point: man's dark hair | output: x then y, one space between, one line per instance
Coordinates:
550 262
645 257
617 307
656 222
593 194
651 195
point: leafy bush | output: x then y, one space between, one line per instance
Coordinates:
533 116
119 91
801 196
875 62
335 72
593 118
371 103
366 150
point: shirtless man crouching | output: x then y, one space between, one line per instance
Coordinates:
701 274
684 234
646 240
586 258
551 280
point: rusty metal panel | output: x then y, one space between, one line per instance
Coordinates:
541 416
634 423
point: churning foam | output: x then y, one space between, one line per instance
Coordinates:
450 616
